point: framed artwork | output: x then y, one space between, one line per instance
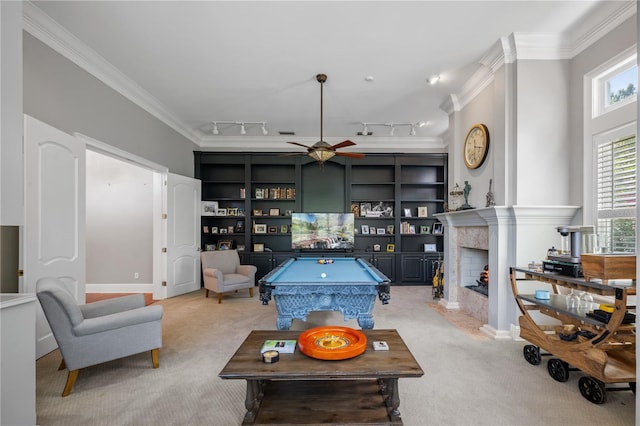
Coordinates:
240 211
214 229
376 247
430 247
437 229
221 212
383 209
425 229
258 247
240 226
365 229
273 230
390 229
233 211
284 229
240 247
230 229
257 212
391 248
225 245
372 230
223 230
210 247
364 209
209 208
205 229
259 193
355 209
407 212
422 211
274 212
380 231
288 212
260 228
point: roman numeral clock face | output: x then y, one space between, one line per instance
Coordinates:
476 146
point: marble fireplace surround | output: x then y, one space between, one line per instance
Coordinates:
513 236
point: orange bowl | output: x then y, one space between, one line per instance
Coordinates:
332 342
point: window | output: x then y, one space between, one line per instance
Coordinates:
616 86
616 193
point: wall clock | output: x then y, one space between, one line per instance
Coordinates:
476 146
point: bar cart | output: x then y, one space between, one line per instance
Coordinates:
603 349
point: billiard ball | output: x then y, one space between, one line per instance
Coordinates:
323 275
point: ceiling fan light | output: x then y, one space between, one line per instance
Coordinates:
321 155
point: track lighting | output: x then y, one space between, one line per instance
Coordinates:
392 127
220 125
433 79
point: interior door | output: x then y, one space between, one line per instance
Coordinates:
54 229
183 234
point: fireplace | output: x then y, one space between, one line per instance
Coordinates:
500 237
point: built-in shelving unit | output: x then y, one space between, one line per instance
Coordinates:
393 197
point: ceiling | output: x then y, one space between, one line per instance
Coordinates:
193 63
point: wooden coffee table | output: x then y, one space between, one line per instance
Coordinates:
302 390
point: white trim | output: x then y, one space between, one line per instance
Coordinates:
119 288
112 151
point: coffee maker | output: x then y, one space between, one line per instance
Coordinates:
566 261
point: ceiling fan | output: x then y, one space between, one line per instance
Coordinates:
321 151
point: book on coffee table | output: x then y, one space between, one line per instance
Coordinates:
282 346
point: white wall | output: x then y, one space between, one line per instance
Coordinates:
119 222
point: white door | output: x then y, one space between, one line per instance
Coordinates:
54 229
183 234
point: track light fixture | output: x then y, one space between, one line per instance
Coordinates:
392 127
243 126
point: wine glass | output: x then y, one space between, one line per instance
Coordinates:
586 300
573 300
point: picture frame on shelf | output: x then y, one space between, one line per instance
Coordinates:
422 211
412 229
258 247
240 247
223 230
209 247
259 193
205 229
364 209
214 229
241 211
225 245
390 229
272 230
381 231
407 213
284 229
376 247
355 209
437 229
257 212
364 229
391 248
221 212
288 212
430 247
260 228
274 212
372 230
425 229
230 229
383 209
209 208
232 211
239 226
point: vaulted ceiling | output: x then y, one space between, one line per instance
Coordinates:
195 63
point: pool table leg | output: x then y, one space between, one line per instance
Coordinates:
365 321
284 323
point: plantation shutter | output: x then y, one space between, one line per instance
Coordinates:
616 196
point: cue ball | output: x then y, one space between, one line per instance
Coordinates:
323 275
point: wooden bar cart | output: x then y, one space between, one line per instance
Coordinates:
604 351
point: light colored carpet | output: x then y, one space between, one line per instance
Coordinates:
469 379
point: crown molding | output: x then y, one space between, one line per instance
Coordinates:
41 26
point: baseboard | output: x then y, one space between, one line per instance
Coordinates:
496 334
449 305
119 288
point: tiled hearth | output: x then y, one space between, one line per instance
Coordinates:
510 236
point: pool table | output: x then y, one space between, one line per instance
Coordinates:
304 284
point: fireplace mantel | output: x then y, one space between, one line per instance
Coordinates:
516 235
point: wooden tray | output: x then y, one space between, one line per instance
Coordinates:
608 266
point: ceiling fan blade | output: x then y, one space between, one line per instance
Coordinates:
350 154
299 144
343 144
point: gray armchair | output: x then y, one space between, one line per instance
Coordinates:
222 272
98 332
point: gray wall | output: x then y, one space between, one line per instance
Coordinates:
61 94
